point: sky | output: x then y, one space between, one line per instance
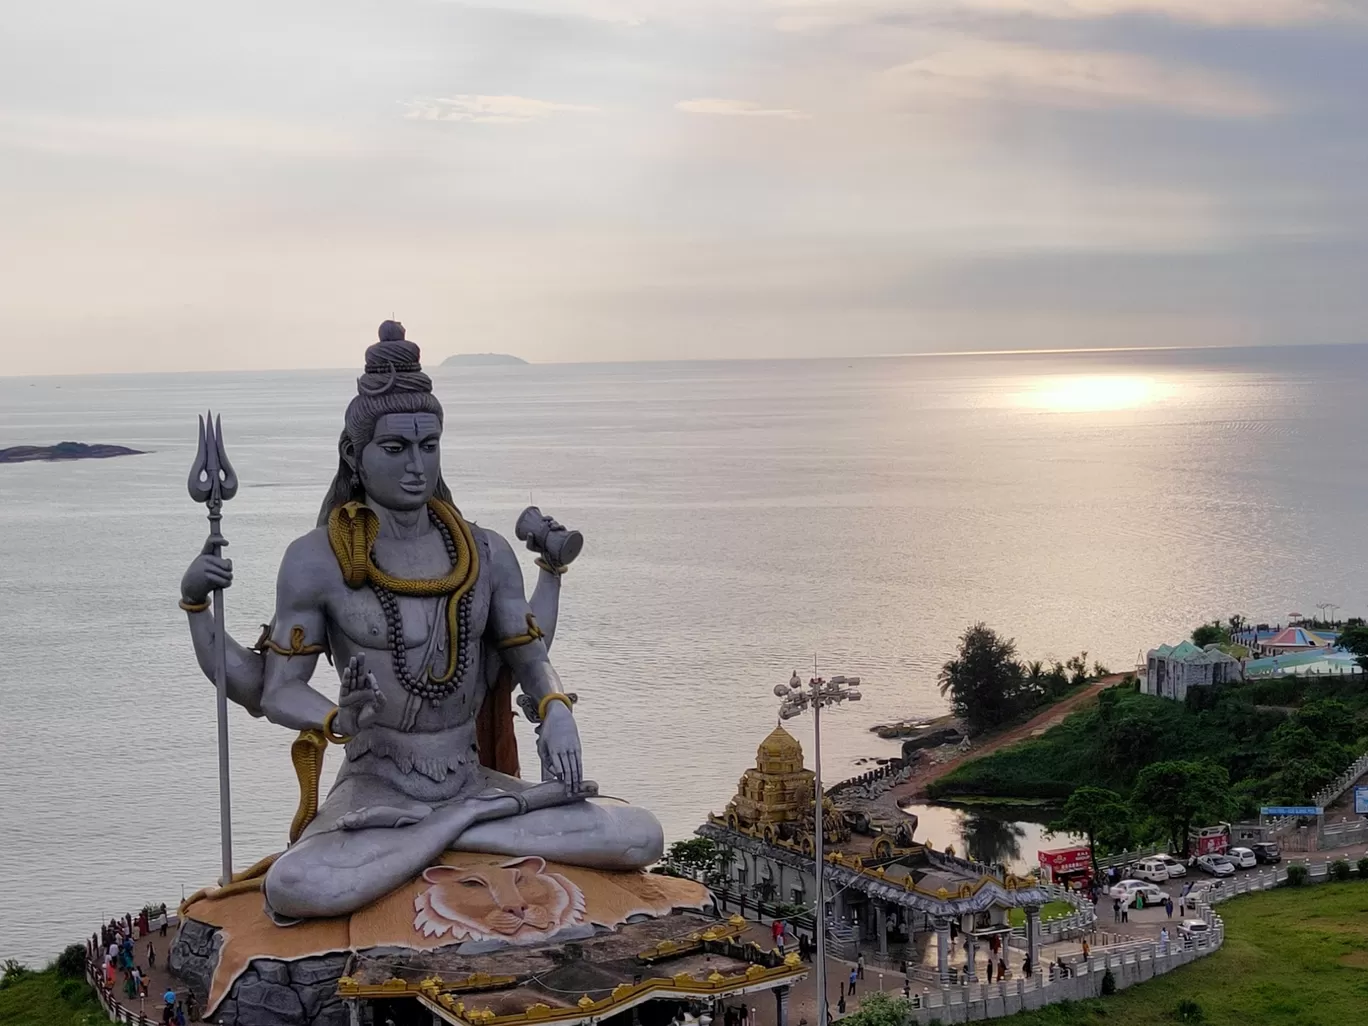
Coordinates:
189 185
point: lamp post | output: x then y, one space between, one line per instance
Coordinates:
797 697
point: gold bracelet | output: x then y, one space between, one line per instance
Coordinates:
194 607
552 568
337 739
545 704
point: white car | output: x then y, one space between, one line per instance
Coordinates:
1216 865
1175 868
1242 857
1193 928
1130 891
1154 870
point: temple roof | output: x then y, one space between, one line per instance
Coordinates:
779 744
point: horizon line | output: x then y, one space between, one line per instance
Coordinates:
721 359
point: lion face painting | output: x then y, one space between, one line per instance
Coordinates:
518 902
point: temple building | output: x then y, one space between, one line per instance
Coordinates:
882 891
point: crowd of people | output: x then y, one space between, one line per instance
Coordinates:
120 969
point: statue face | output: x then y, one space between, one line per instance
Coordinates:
401 465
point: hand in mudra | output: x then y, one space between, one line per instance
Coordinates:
558 744
361 699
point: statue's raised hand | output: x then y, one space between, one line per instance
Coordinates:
361 699
558 744
205 573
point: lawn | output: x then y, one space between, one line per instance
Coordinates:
1050 910
46 999
1292 957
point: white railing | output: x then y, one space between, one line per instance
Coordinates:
1327 794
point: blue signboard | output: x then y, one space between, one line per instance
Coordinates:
1292 810
1361 800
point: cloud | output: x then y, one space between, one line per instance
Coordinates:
490 110
738 109
818 15
1078 79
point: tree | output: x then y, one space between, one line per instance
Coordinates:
985 683
1210 634
1100 815
1354 638
692 858
880 1009
1178 794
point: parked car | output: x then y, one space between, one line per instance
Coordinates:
1175 868
1216 865
1243 858
1191 929
1155 870
1130 891
1267 852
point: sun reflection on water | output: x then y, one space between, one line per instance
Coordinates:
1093 393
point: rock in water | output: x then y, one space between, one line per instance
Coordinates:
64 451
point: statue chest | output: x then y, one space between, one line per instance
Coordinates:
360 615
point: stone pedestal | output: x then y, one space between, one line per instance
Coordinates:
302 992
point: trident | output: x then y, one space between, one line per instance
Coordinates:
213 483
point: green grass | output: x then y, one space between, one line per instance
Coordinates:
1050 910
1292 957
46 999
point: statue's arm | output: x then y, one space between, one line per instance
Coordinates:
517 638
512 630
297 637
245 666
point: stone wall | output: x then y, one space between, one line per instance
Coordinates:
298 993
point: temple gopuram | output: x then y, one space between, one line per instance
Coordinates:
884 892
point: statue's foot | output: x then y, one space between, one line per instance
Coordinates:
386 816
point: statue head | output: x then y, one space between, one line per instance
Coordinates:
390 448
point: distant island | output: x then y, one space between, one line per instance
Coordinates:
483 360
64 451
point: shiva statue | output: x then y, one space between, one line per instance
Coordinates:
425 615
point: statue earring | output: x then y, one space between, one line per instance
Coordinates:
355 481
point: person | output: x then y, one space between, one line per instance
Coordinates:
1168 906
1125 912
164 916
853 972
1087 951
1116 905
1025 962
170 996
859 960
431 755
137 978
180 1014
907 984
152 953
840 1002
1002 968
990 961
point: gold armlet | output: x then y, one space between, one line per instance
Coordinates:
545 704
534 633
297 647
194 607
337 739
552 568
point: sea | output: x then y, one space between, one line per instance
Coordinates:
742 519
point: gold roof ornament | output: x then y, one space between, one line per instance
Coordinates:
586 1002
